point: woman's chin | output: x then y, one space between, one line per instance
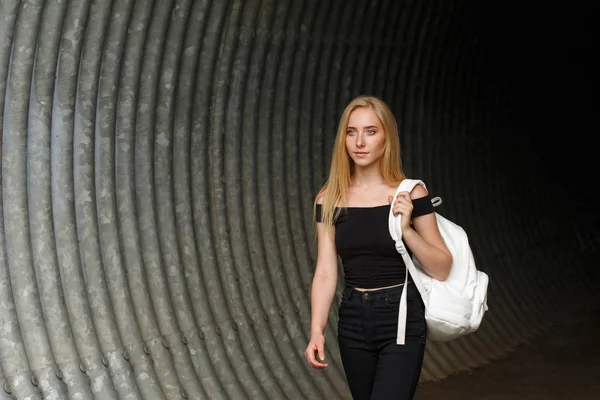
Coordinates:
362 163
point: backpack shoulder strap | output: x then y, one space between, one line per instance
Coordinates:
407 185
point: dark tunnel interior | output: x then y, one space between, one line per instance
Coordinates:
546 57
160 160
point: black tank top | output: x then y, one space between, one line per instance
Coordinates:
368 252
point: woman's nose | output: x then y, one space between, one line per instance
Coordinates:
359 140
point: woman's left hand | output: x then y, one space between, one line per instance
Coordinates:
403 205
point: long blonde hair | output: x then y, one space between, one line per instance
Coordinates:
333 192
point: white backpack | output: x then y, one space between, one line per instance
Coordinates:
453 307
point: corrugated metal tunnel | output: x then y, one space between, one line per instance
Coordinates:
159 164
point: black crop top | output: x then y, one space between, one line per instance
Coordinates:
368 252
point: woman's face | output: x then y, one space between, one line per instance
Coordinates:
365 137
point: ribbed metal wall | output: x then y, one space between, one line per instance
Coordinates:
159 163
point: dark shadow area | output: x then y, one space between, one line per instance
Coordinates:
545 59
542 59
561 364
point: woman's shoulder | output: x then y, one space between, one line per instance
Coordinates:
319 198
418 192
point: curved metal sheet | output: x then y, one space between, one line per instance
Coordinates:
159 166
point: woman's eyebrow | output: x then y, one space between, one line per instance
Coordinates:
366 127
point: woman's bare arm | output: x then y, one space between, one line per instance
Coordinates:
324 284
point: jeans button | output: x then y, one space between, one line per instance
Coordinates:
366 296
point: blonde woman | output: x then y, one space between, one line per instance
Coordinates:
351 213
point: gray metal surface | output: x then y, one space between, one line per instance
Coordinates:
159 164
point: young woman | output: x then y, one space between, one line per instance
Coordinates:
351 211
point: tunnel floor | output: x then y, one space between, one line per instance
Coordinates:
562 363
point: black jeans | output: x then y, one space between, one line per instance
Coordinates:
376 367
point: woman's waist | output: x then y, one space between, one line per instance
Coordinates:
374 276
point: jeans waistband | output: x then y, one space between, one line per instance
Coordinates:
372 294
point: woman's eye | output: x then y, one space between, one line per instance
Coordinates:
351 132
371 132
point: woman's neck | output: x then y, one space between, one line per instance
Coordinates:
366 177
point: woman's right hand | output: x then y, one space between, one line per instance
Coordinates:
316 348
